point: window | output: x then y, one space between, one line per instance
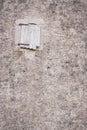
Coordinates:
28 33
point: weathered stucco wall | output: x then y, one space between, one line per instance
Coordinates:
48 90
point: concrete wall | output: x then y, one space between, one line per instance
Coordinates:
45 89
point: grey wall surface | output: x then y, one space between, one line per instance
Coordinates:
45 89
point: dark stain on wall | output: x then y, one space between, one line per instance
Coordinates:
1 4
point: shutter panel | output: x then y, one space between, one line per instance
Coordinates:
30 36
24 35
37 35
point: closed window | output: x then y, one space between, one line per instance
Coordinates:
28 34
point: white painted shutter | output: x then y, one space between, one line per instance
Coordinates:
30 35
24 34
37 34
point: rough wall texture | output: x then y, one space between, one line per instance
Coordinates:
47 91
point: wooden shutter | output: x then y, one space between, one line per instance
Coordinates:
30 35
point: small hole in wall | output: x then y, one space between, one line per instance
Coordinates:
23 70
48 67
